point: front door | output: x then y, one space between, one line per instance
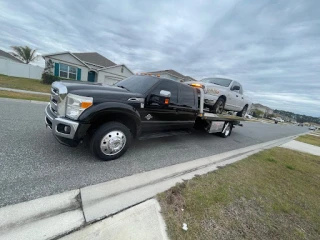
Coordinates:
91 76
233 101
160 117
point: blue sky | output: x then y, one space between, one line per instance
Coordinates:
271 47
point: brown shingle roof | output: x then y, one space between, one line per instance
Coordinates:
9 56
94 58
170 71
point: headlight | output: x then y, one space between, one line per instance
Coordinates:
213 91
77 104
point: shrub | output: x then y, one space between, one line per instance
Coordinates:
48 78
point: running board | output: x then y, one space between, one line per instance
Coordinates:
163 134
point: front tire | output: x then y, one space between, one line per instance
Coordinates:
218 107
110 141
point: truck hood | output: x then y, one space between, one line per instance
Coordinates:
100 92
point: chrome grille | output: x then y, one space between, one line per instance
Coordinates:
58 98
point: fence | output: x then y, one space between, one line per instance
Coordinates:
15 69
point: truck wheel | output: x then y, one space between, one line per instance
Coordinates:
227 132
243 112
110 141
218 107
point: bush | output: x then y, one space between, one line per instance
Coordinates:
49 79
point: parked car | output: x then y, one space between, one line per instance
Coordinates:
312 128
248 116
278 119
223 94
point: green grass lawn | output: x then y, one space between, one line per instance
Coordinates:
273 194
313 140
26 96
24 84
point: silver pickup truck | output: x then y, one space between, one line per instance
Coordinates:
223 94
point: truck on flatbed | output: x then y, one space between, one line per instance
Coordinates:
139 107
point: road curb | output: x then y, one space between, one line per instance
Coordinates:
24 101
55 216
34 219
23 91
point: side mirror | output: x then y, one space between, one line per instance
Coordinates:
164 93
235 88
162 99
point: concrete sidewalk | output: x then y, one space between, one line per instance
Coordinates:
302 147
140 222
23 91
119 203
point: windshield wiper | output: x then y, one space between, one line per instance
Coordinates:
124 88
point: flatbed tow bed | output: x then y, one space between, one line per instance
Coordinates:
216 123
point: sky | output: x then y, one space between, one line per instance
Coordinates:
270 46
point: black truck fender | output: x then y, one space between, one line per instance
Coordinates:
113 111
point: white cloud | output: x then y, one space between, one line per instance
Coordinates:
271 47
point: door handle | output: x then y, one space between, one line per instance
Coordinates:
236 95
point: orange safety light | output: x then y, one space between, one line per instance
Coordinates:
166 101
196 85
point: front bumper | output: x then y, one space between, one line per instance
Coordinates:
66 131
210 99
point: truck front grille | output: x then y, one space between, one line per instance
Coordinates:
58 98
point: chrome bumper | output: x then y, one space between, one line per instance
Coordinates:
58 124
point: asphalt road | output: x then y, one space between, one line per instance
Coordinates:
33 164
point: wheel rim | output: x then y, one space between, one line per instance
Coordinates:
113 142
227 132
219 107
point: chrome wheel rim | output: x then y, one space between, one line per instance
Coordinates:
227 131
113 142
220 108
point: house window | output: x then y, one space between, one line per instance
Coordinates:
68 71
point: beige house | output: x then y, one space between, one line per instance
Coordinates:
170 74
87 66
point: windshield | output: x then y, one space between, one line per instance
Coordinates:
138 84
218 81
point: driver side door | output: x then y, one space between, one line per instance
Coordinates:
160 117
233 104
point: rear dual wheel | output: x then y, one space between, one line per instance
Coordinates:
227 130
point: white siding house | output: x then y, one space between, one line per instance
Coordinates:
170 74
91 67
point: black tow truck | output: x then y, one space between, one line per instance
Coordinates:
139 107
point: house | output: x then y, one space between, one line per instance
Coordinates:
87 66
262 108
8 56
170 74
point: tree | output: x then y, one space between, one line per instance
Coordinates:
257 113
25 54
